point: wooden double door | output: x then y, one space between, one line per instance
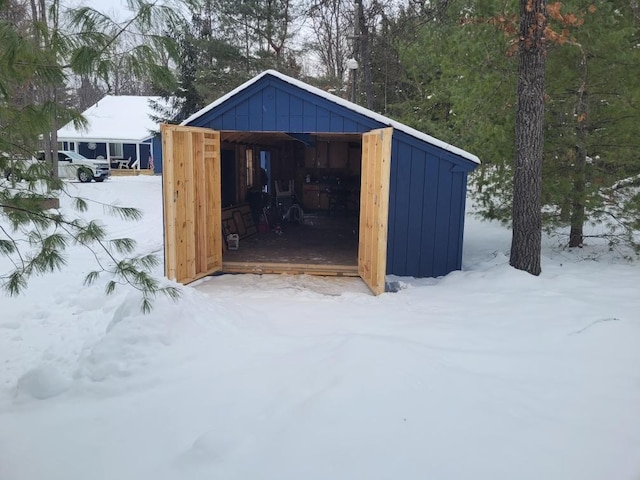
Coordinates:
192 204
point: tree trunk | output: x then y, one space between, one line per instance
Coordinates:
365 62
357 40
576 234
527 180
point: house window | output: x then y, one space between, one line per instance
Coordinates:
249 160
115 150
67 146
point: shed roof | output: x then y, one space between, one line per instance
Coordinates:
339 101
118 118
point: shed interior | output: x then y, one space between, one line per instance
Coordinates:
293 199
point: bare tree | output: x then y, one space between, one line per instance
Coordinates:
88 92
264 26
330 23
369 19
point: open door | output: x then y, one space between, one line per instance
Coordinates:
374 208
192 204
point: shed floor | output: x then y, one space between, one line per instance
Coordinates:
320 240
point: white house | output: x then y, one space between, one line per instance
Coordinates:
120 129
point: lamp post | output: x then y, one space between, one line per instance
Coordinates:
352 65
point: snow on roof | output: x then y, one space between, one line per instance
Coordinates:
345 103
120 118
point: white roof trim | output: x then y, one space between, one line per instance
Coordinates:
345 103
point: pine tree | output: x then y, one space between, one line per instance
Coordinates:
39 48
592 118
459 79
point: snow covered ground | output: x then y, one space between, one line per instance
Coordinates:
488 373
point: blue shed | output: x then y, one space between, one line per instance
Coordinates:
384 197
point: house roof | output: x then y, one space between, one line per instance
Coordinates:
116 118
339 101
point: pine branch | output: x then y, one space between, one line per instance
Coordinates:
49 259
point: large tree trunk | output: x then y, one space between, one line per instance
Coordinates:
527 179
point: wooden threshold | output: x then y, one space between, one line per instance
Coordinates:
290 268
130 172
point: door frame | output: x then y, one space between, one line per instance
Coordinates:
193 207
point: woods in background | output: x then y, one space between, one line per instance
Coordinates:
448 68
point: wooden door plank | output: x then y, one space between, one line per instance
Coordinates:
179 138
364 204
199 182
373 199
191 192
168 192
212 158
384 172
374 208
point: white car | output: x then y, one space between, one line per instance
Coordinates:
74 165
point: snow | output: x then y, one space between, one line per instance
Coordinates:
339 101
487 373
116 118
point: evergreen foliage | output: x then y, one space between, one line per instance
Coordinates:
458 80
37 57
224 44
592 113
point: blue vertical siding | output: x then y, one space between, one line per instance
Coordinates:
399 206
336 123
416 214
257 112
129 151
428 224
426 211
350 125
309 118
296 117
145 151
443 219
427 184
156 143
284 110
269 107
456 224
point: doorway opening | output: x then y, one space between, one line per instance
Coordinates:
296 202
196 224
